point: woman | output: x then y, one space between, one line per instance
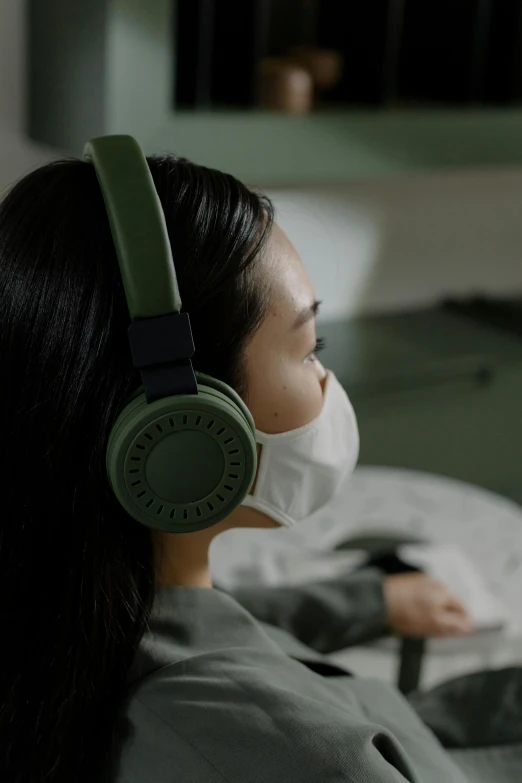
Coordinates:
121 662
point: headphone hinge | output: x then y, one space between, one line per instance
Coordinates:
162 348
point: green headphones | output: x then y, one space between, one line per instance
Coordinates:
182 453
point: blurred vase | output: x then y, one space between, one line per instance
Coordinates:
285 86
324 65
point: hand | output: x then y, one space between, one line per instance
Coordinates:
417 605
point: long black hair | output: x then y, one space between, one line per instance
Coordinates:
76 573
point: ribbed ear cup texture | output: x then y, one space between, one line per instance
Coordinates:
183 463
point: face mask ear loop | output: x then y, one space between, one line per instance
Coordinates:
263 452
259 451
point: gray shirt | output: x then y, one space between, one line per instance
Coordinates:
217 698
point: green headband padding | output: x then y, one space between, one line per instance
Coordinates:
137 224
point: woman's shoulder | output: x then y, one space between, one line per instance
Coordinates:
219 718
234 715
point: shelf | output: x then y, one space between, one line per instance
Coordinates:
107 67
272 149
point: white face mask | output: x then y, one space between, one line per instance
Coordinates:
299 471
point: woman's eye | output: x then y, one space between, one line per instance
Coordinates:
319 346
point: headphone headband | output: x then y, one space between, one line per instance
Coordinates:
160 336
137 225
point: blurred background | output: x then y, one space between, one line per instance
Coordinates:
388 133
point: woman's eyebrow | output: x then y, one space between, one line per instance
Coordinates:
307 314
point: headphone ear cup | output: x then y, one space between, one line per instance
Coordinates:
183 463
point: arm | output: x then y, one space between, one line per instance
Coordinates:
328 615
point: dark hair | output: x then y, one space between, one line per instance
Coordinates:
76 573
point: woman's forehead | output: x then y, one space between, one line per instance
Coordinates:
291 292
